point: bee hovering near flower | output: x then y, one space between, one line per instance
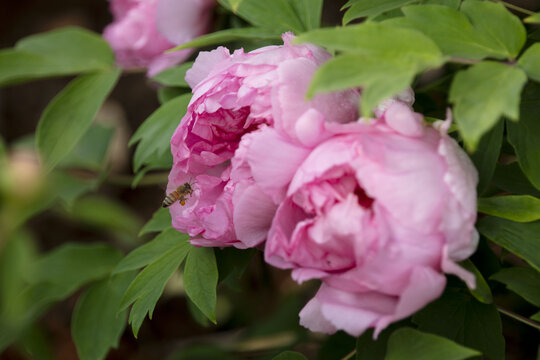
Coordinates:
180 194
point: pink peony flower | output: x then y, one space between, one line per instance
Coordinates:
378 214
144 29
247 107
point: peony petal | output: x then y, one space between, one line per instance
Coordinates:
180 21
402 119
204 64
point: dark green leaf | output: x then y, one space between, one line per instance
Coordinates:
482 94
289 355
482 292
228 35
523 281
151 251
276 15
519 208
154 135
530 61
309 12
336 346
369 349
371 8
160 221
174 76
96 326
37 344
69 115
522 239
487 154
525 134
145 290
510 178
200 280
407 343
461 318
59 52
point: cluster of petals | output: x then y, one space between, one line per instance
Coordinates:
143 30
377 209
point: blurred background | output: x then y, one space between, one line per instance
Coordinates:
257 312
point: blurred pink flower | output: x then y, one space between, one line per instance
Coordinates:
144 29
378 214
247 107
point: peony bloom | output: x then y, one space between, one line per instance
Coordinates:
247 107
144 29
379 215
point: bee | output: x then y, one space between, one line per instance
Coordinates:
180 194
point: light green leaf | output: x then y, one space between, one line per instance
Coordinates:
453 32
58 52
69 115
104 213
276 15
309 12
407 343
522 239
151 251
96 326
533 19
154 135
91 150
200 280
371 8
482 292
160 221
228 35
487 154
145 290
502 30
289 355
461 318
482 94
523 281
519 208
382 59
525 134
174 76
530 61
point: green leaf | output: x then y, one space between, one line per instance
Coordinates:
277 15
160 221
511 179
228 35
461 318
533 19
96 327
371 8
382 59
91 150
482 94
70 187
200 280
309 12
523 281
151 251
487 154
145 291
369 349
69 115
58 52
154 135
482 292
519 208
530 61
522 239
289 355
502 30
336 346
408 343
104 213
174 76
525 134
